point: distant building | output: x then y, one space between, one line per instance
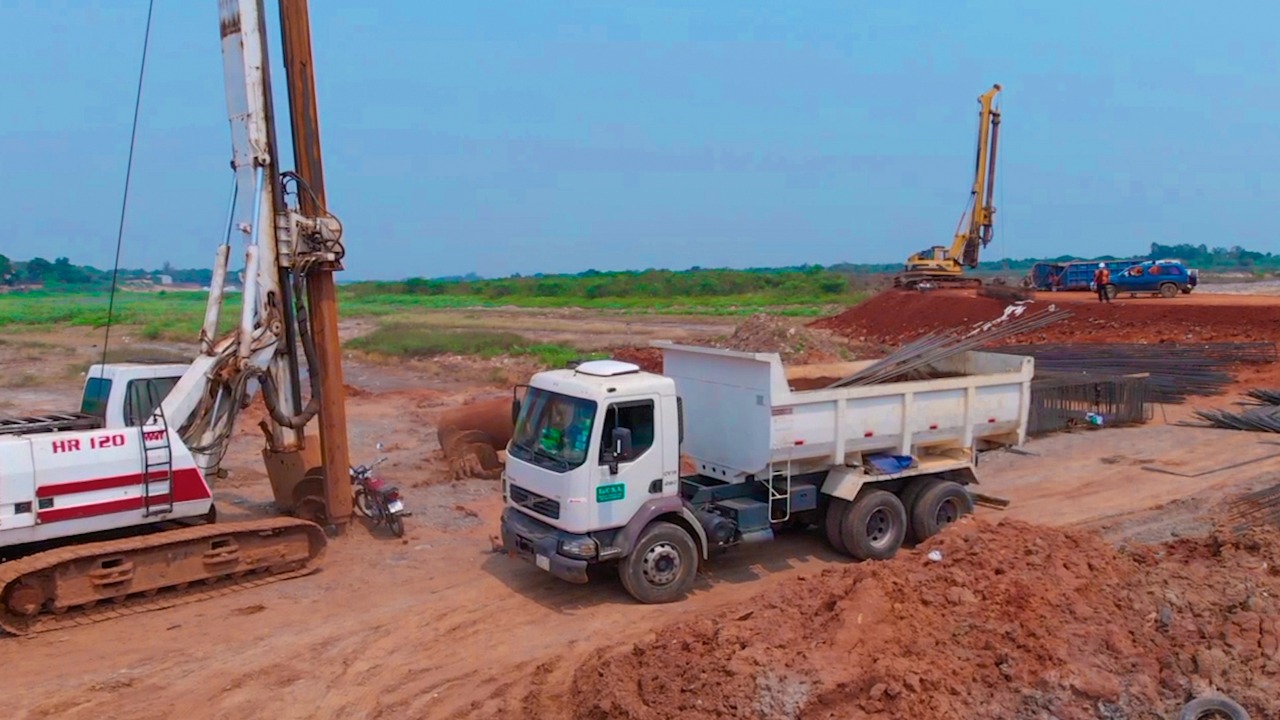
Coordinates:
164 279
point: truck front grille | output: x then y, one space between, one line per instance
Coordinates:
544 506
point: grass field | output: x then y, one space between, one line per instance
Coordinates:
177 316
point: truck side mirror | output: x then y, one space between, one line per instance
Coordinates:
621 443
515 410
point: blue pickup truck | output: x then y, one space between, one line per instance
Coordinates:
1165 278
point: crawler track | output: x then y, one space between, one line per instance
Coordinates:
84 584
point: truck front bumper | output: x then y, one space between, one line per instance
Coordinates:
539 543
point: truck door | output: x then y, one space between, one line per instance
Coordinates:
638 476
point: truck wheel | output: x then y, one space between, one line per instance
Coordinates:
874 526
1212 708
912 492
1111 291
1168 290
937 507
836 509
662 565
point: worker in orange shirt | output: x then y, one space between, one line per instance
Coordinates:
1101 277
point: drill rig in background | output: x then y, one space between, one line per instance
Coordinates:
944 266
108 510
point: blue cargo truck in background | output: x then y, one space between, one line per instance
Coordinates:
1166 278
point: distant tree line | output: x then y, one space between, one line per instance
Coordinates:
810 281
807 281
62 273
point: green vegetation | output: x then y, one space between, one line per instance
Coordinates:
807 290
407 340
786 286
160 315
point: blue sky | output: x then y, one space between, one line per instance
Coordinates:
556 137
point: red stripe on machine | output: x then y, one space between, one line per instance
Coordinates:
83 486
187 485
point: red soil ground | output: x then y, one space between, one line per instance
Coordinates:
897 316
1014 620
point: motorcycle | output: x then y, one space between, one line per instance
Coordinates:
375 499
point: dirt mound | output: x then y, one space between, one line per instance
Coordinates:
1013 621
649 359
791 340
897 316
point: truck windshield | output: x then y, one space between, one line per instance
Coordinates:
553 430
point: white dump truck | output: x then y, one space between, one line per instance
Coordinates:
593 472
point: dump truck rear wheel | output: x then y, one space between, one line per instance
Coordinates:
937 507
911 493
662 565
1168 290
836 509
874 526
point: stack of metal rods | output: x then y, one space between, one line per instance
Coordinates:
1262 396
1174 371
1256 419
910 359
1261 506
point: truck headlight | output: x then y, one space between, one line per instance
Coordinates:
582 547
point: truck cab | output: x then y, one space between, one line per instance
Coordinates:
1166 278
592 447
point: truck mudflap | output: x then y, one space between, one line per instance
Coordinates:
539 543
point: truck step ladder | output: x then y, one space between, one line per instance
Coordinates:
779 500
157 461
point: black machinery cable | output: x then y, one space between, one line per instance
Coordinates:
128 176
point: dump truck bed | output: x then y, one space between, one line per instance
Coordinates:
747 414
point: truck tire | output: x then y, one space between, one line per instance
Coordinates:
1111 291
1213 708
662 566
911 493
874 526
937 507
1168 290
836 509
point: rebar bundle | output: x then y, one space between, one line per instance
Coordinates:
1174 371
1261 506
910 360
1256 419
1262 396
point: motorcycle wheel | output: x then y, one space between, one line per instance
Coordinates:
396 523
363 503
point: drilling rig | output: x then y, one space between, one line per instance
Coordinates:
944 266
108 510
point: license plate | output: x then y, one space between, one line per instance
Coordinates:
395 506
544 562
